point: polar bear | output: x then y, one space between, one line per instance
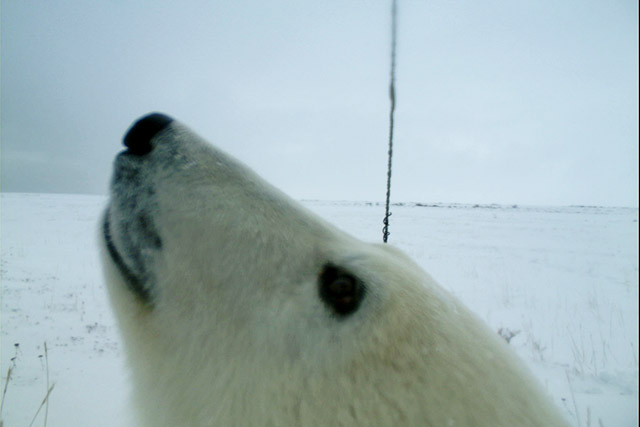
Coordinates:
238 307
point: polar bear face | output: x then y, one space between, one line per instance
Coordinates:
188 223
240 307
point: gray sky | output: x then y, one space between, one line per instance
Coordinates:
530 102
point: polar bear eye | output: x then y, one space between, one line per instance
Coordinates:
340 290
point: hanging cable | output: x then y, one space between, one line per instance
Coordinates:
392 98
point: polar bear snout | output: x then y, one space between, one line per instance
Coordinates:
129 231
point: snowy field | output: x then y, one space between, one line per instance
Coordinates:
564 279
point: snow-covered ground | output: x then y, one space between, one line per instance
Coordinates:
565 279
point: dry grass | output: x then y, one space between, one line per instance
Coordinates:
45 400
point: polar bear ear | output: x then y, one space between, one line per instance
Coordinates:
341 291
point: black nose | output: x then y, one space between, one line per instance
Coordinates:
138 137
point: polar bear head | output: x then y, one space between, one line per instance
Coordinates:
240 307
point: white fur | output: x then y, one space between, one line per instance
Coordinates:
237 335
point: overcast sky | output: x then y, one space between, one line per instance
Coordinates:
528 102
